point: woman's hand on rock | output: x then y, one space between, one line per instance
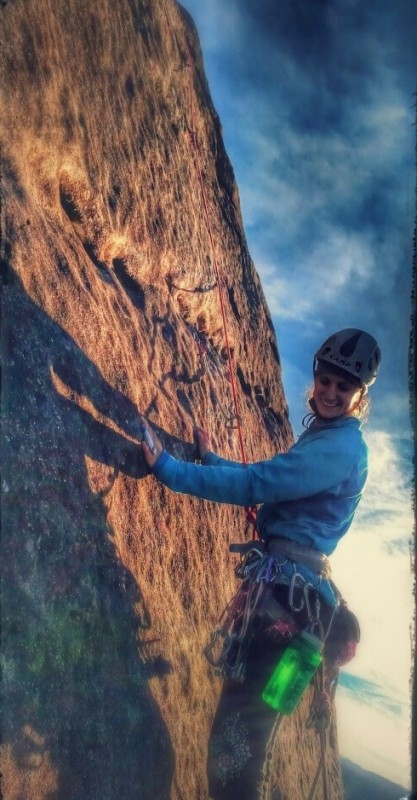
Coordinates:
151 455
203 441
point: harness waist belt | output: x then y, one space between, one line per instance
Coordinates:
312 559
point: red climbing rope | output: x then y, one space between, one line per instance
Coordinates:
250 511
196 159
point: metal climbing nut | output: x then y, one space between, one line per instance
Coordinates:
146 437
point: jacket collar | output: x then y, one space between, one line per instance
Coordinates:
338 422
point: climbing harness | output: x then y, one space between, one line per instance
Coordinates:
312 559
255 609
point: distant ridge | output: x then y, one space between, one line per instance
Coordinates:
360 784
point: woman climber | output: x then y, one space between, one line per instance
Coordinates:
308 497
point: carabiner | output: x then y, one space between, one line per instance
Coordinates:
291 592
207 650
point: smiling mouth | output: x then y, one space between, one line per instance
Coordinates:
326 403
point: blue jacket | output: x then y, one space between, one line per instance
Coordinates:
308 494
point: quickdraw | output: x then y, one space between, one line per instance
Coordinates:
254 603
235 632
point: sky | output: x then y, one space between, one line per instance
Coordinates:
318 108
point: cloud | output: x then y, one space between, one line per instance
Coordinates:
343 260
389 489
339 265
374 737
219 25
372 566
284 298
370 693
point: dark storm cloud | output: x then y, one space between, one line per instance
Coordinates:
325 35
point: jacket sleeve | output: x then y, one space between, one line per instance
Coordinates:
213 460
317 466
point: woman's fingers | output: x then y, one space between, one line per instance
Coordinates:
203 441
152 447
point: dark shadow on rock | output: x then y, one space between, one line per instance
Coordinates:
75 669
131 286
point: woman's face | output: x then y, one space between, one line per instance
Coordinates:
334 396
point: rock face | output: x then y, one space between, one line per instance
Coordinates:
111 585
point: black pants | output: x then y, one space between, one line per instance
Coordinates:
241 728
243 722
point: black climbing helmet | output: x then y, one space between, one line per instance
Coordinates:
353 351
